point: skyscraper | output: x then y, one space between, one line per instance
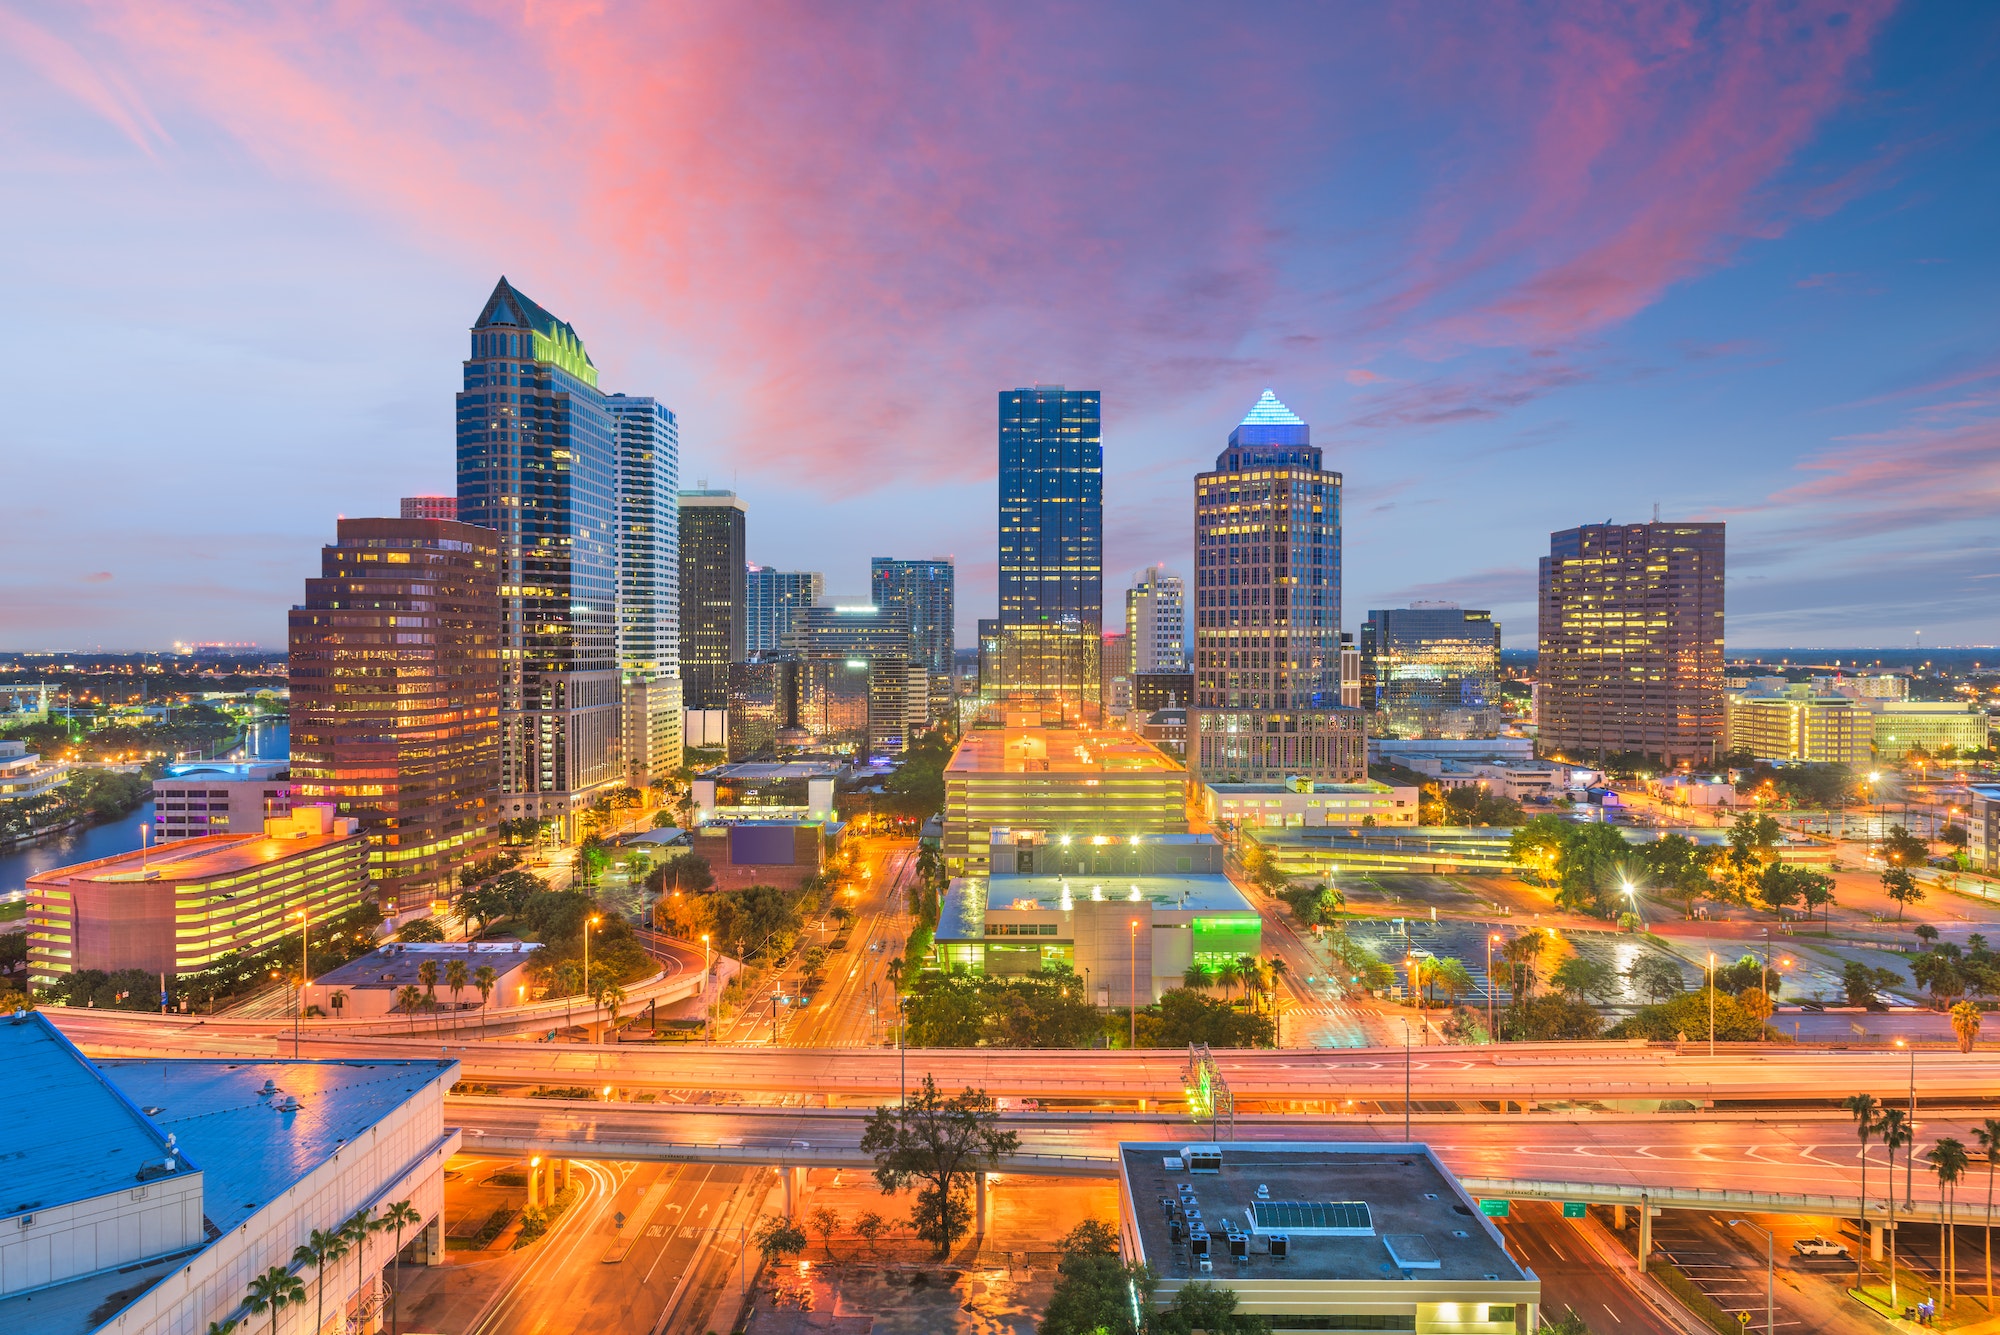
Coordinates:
395 675
538 464
649 577
712 594
1432 670
1267 635
770 599
925 589
430 507
1631 642
1155 623
1051 549
877 637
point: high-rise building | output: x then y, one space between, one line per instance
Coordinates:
430 507
879 638
1797 722
1155 623
538 464
770 598
763 702
1267 610
924 589
1631 642
649 580
712 594
1432 670
395 673
1051 549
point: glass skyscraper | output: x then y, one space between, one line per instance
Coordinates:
712 594
1267 610
926 591
538 463
649 584
1051 549
771 598
1431 671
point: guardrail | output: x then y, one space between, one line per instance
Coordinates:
1668 1197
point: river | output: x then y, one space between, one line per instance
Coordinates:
269 741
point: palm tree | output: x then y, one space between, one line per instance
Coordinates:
427 974
1228 975
408 998
356 1230
1965 1023
610 996
1278 970
1987 1134
276 1289
1896 1134
1867 1121
485 979
1195 977
221 1327
896 971
1948 1160
397 1218
455 978
338 1001
1451 977
320 1250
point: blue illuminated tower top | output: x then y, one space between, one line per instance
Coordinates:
1270 436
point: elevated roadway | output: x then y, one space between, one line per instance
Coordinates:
1778 1164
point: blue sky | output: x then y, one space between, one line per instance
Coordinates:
1520 267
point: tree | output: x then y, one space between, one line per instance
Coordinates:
1182 1017
778 1237
1655 978
1584 978
1450 977
1965 1023
485 979
1687 1015
357 1230
825 1222
1896 1134
1679 864
946 1010
1948 1162
868 1227
1195 976
1042 1010
1861 983
1552 1019
395 1219
1987 1133
420 929
1902 887
1900 848
1314 905
1227 975
1867 1114
938 1142
1093 1293
273 1291
456 977
1202 1306
408 998
1816 889
320 1250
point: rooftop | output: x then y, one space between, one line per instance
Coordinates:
971 898
1058 751
203 858
1414 1220
1268 411
773 771
227 771
96 1141
1371 787
396 965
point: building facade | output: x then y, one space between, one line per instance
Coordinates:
713 573
178 909
220 797
649 579
1155 623
1051 550
876 637
927 590
1929 726
397 674
1782 721
1305 803
1631 642
770 599
1431 671
538 464
430 507
763 702
1267 610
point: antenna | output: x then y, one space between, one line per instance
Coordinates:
1656 512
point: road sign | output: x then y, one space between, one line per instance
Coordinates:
1576 1210
1494 1209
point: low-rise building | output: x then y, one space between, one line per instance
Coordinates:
1982 827
1323 1236
1785 721
1118 933
1521 780
1078 782
219 797
367 988
178 909
1930 726
1306 802
146 1194
1438 850
25 776
1167 729
774 790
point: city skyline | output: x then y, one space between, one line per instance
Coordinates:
1591 321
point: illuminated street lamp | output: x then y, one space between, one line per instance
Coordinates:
1711 1003
1491 937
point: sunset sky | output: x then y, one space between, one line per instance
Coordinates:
1520 267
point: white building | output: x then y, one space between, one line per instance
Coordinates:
219 797
24 776
1155 623
152 1192
1306 802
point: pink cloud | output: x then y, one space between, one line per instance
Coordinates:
69 69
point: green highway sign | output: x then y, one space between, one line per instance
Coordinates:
1493 1209
1575 1210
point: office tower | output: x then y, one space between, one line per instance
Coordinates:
989 658
770 597
1267 610
538 464
879 638
649 577
1155 623
1432 670
1114 677
1051 550
1631 642
712 595
396 686
924 589
430 507
764 703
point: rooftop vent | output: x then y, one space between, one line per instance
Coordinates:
1411 1251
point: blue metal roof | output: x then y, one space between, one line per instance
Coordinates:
81 1136
250 1152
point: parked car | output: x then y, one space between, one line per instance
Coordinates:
1819 1247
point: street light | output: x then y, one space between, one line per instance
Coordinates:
1770 1275
1132 982
1491 937
1406 1081
707 1009
594 920
299 1010
1711 1003
1909 1169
